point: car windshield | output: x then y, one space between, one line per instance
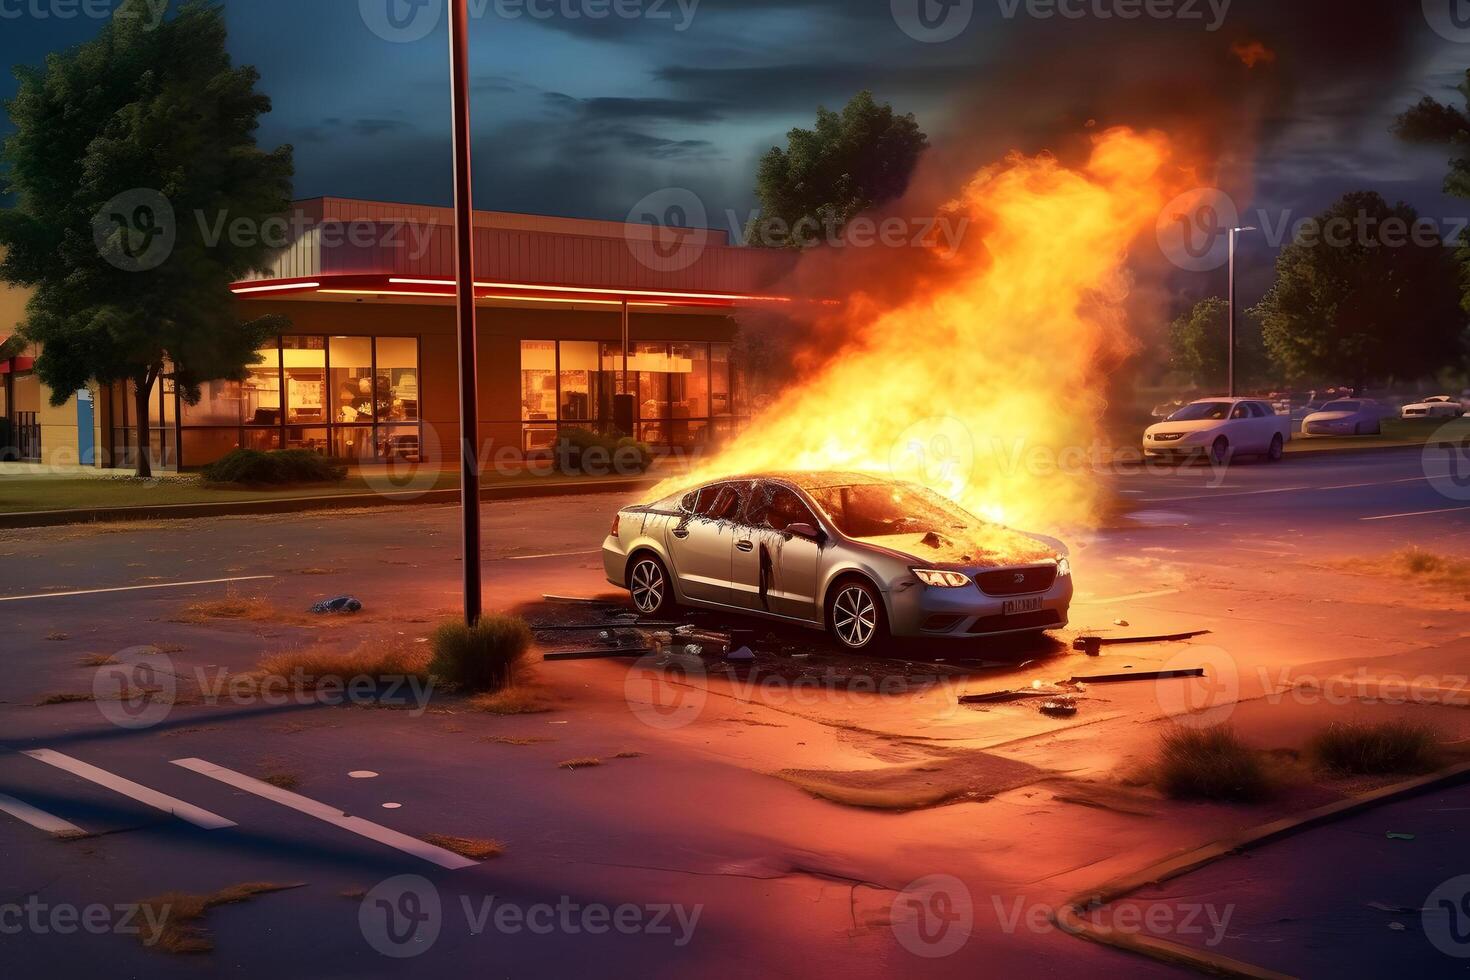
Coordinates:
876 509
1201 411
1341 407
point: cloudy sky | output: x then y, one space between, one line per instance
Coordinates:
581 114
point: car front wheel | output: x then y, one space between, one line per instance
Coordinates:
648 584
1277 450
1220 452
855 616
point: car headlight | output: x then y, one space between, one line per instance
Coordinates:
942 579
1064 568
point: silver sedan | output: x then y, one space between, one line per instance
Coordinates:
862 557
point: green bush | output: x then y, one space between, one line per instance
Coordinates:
1362 748
592 453
1211 764
251 466
482 658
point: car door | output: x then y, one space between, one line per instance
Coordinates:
702 540
1267 425
772 569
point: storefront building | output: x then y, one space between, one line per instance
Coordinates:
591 324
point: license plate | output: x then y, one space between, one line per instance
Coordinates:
1015 606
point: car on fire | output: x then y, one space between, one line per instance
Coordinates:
864 557
1219 429
1436 407
1348 417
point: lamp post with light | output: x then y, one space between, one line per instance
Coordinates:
1234 235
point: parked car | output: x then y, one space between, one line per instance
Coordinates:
863 557
1436 407
1220 428
1349 417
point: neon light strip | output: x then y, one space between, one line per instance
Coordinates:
590 289
511 299
276 288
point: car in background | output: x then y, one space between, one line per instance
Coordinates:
863 557
1436 407
1219 429
1348 417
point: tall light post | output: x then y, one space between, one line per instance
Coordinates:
1234 235
464 254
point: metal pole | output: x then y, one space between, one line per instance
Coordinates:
1231 353
464 237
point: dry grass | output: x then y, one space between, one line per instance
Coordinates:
64 698
1386 748
513 701
509 740
628 755
97 660
317 571
384 659
1415 565
470 847
583 762
487 657
1211 764
236 607
181 915
356 894
57 635
282 780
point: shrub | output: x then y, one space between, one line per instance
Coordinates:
1211 764
585 451
485 657
1362 748
251 466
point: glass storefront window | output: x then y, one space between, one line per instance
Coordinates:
652 364
720 403
219 404
353 443
397 383
578 376
538 380
689 381
261 390
304 360
351 384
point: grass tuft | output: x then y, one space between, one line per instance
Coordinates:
584 762
484 658
65 698
470 847
513 701
172 922
1211 764
382 659
1416 565
511 740
232 606
97 660
1364 748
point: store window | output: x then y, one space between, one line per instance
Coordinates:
578 374
397 385
261 390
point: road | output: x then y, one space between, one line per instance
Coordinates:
745 875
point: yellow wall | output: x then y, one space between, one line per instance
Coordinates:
59 444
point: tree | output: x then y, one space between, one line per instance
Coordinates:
135 168
1363 293
1199 344
850 161
1431 123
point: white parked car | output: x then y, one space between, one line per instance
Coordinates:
1220 428
1348 417
1438 407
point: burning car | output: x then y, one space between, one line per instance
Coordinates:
863 557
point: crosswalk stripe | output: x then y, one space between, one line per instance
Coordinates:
40 819
159 801
329 814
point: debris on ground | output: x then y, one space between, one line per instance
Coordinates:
1091 645
341 604
744 653
605 653
1393 835
1143 675
1120 622
1059 707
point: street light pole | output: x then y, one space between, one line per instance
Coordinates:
1234 235
464 239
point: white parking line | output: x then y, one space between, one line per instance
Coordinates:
136 588
329 814
40 819
1417 513
1253 493
159 801
561 554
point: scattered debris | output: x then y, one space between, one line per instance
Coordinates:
1059 707
599 654
341 604
573 600
1394 835
1091 645
1120 622
743 654
470 847
1143 675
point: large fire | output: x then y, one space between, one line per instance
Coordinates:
983 385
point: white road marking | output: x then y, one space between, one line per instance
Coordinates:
1253 493
159 801
1417 513
40 819
329 814
136 588
1126 598
561 554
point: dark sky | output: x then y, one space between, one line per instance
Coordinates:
585 116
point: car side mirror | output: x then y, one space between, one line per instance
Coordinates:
804 531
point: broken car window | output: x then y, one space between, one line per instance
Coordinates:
874 510
777 508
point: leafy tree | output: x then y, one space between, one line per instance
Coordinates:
1432 123
1199 344
1360 296
133 155
850 161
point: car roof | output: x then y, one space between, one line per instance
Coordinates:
813 480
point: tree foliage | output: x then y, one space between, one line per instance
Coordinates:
848 162
1199 344
1360 299
1432 123
132 152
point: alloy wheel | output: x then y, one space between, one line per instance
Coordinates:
647 586
855 617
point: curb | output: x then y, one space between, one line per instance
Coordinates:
1071 917
290 505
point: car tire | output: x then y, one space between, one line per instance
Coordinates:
1277 450
1220 452
650 587
856 618
1358 429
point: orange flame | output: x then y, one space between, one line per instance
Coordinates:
977 386
1252 53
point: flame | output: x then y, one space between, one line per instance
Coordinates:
978 383
1252 53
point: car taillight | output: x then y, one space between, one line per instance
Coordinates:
616 519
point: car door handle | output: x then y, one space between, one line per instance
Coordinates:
745 545
680 534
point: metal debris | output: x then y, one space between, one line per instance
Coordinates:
1091 645
1142 675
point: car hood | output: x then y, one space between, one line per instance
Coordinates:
987 547
1184 428
1427 404
1332 416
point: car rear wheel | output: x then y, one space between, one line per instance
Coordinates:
1277 450
855 616
648 584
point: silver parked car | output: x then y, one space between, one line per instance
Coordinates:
863 557
1348 417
